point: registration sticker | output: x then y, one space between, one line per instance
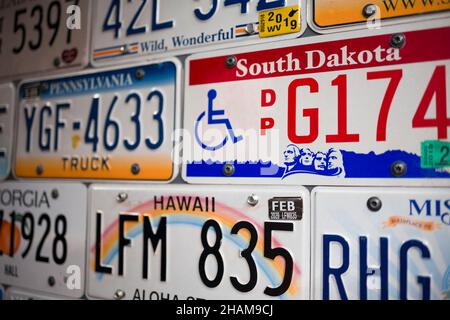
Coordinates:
279 21
435 154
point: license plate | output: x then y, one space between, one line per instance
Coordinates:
336 109
20 294
191 242
105 124
330 15
43 237
131 29
381 243
7 95
43 36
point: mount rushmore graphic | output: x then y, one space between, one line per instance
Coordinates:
303 160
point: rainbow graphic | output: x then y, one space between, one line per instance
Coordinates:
226 216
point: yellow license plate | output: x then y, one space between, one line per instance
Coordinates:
279 21
333 13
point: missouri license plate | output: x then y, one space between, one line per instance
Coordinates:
125 30
43 36
336 109
381 243
191 242
103 124
7 98
43 237
331 16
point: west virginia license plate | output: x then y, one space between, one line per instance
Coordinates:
103 124
381 243
191 242
368 107
7 98
43 237
125 30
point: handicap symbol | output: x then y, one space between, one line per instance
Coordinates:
212 119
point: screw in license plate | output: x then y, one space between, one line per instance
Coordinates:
39 170
228 169
56 62
121 197
398 40
250 28
119 294
135 168
231 62
398 168
253 200
55 194
369 10
140 73
51 281
374 204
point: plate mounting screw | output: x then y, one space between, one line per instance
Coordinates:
51 281
121 197
135 169
369 10
253 200
250 28
119 294
55 194
39 170
374 204
56 62
228 169
231 62
398 168
140 73
398 40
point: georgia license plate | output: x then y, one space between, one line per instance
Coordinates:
381 243
132 29
20 294
7 97
335 109
192 242
331 16
102 124
43 35
43 237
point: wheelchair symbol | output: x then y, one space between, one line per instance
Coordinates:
212 119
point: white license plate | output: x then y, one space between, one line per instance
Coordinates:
35 36
7 97
133 29
20 294
43 237
381 243
103 124
336 110
191 242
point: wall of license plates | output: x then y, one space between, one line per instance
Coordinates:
235 149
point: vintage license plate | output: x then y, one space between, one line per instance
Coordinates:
132 29
20 294
192 242
336 109
7 97
43 36
381 243
43 237
331 16
102 124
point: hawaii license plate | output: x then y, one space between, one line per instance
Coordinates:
43 237
330 16
131 29
192 242
102 124
335 109
381 243
43 35
7 97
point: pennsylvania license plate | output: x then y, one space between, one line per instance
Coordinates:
336 109
381 243
125 30
7 97
43 237
191 242
331 16
103 124
43 35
